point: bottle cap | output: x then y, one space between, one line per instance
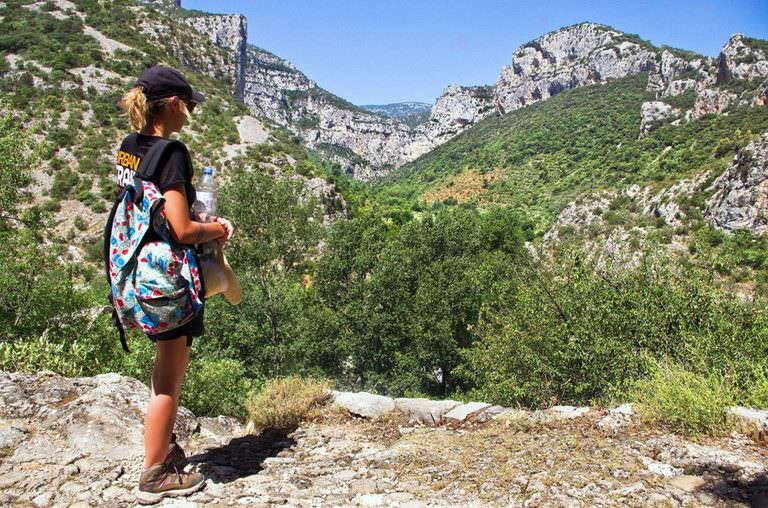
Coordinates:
208 171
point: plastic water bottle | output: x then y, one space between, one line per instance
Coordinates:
207 198
207 193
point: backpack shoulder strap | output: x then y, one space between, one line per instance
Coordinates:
107 241
149 161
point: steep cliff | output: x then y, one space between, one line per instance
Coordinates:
579 55
457 109
366 144
712 85
741 200
229 32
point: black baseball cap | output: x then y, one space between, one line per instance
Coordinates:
159 82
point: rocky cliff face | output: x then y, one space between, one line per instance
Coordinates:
580 55
270 83
370 145
229 32
365 143
678 74
654 113
741 59
457 109
741 201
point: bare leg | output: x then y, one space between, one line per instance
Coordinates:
171 359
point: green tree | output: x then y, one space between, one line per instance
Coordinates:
408 297
15 165
278 229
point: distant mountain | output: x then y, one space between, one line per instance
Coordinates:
412 114
399 109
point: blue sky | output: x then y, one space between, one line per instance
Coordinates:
408 50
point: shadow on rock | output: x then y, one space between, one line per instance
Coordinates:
753 492
242 456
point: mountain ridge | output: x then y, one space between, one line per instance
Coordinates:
369 146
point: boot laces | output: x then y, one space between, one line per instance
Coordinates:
178 474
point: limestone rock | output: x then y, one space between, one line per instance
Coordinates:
221 428
676 75
425 411
568 412
688 483
656 113
752 417
660 468
618 418
664 204
332 463
365 143
490 414
100 416
364 404
579 55
711 101
10 438
230 32
741 60
740 200
462 413
457 109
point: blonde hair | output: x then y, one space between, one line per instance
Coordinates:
140 112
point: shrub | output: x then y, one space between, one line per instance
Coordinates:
576 333
50 205
686 402
215 387
63 182
757 393
283 403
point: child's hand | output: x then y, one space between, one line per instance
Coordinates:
230 230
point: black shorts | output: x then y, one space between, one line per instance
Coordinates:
194 328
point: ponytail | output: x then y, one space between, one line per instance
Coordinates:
140 112
135 104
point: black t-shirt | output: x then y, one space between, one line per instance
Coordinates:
173 168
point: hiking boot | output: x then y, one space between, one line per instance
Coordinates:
176 455
161 481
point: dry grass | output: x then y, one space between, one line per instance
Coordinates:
503 455
385 429
284 403
464 186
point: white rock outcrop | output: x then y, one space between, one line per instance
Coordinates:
367 405
676 75
655 113
367 144
740 59
230 32
579 55
77 443
712 101
741 200
457 109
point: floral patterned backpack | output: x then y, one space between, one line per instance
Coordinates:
155 285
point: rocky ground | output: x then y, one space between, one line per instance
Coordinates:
77 442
